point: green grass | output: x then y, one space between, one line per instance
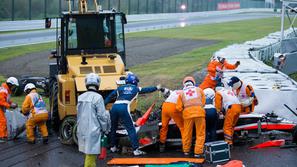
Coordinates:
11 52
294 76
20 99
17 31
2 79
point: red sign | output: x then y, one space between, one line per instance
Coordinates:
228 5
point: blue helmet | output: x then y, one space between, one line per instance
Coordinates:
233 80
132 79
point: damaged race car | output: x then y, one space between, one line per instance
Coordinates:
249 126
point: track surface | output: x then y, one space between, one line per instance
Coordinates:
139 51
20 154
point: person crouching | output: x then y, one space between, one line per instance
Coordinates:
211 115
227 102
169 112
38 115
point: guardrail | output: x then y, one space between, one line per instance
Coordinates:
265 52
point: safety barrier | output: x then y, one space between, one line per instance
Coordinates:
272 87
265 48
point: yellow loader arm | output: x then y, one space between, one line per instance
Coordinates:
83 6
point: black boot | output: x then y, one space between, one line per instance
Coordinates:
45 140
31 141
161 147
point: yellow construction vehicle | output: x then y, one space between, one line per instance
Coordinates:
88 41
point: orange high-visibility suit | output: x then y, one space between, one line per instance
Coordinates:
191 103
5 103
169 112
212 68
247 97
35 105
225 100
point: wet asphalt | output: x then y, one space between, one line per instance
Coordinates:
18 153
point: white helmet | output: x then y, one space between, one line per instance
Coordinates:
12 81
92 79
219 56
209 93
29 86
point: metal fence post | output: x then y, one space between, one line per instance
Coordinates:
129 6
169 6
138 6
30 2
60 7
108 4
119 5
155 6
147 8
175 6
12 10
162 6
45 9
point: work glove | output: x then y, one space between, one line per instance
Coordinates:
166 92
237 63
13 105
221 115
159 87
256 101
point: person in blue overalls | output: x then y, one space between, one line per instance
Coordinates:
124 96
211 115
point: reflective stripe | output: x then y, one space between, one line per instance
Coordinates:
122 102
228 136
4 90
209 106
211 77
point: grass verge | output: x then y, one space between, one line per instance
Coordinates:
17 31
294 76
11 52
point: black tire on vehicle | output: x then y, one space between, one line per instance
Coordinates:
67 129
75 135
54 112
294 135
